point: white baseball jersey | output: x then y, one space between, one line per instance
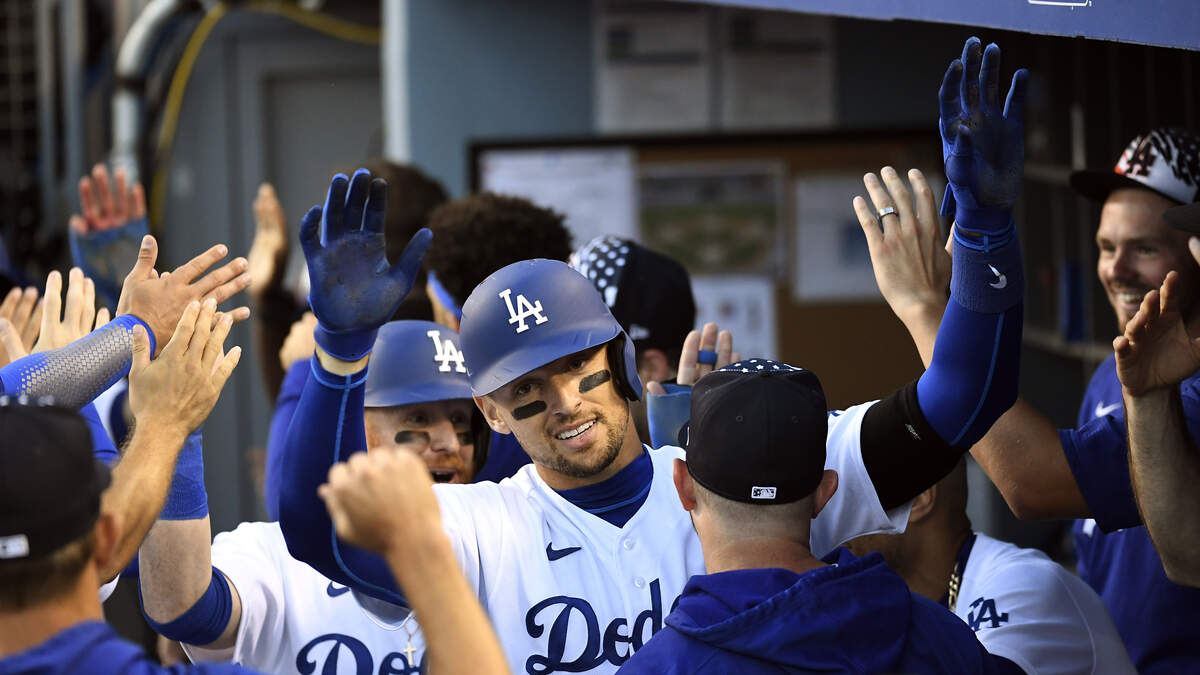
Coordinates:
296 621
1025 607
569 592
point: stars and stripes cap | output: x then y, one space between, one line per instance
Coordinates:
757 432
1163 160
50 483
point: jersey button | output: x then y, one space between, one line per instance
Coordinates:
639 582
628 544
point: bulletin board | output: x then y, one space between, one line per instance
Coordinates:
780 222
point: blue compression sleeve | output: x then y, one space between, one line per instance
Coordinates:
187 499
204 621
667 413
973 377
102 446
281 419
76 374
327 428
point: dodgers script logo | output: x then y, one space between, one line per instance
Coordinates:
446 353
560 611
524 310
355 653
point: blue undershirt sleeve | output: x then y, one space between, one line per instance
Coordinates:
102 446
326 428
74 375
1097 455
281 419
972 379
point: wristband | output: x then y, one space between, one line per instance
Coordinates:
345 345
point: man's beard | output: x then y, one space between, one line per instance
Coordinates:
587 467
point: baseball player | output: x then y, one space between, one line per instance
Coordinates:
1083 473
767 604
578 557
244 599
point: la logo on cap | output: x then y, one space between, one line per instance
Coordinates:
524 310
446 353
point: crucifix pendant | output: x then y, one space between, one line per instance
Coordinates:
409 653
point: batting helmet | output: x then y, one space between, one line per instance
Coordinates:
533 312
421 362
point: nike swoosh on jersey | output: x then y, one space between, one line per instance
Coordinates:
554 554
1102 410
333 590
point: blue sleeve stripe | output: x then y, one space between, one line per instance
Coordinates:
987 384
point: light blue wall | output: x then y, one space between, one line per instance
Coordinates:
489 69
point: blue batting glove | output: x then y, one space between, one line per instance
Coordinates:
352 289
107 256
983 144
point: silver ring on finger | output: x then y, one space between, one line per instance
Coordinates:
887 211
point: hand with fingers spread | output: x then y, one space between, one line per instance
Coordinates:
64 323
703 352
159 300
983 140
20 319
353 289
1156 351
105 237
177 390
910 261
667 406
269 251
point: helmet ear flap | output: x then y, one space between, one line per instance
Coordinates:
622 359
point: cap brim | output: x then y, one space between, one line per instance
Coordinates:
1186 217
1098 185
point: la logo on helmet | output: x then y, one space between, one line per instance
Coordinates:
524 310
446 353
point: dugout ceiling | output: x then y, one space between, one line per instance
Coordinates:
1163 23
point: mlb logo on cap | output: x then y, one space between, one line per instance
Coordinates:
758 492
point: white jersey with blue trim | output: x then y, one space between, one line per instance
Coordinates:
1025 607
569 592
294 620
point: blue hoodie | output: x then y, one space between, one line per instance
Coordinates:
856 616
94 648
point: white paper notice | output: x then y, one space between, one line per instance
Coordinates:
653 68
743 305
832 259
777 70
593 187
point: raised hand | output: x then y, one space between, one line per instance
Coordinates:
178 389
20 319
353 290
1156 350
104 238
910 261
60 327
160 300
269 252
382 501
983 144
299 344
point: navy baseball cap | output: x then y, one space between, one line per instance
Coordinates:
649 294
757 432
1164 161
50 483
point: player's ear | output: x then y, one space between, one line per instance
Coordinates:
653 366
108 531
922 505
824 491
684 486
491 413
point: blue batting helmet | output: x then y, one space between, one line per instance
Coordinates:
536 311
421 362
